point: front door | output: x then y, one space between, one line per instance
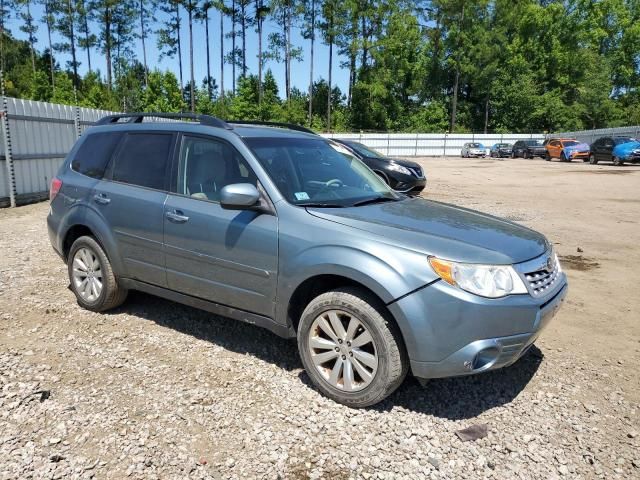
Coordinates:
225 256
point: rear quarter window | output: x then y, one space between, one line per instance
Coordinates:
94 154
142 160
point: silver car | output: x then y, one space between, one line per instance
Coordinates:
277 228
473 149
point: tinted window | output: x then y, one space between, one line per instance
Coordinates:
570 143
207 165
142 160
94 154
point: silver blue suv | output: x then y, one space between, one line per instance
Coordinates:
283 229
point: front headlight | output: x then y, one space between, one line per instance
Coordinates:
492 281
399 168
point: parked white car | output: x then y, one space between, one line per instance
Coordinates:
473 150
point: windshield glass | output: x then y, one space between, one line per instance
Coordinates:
310 171
475 145
570 143
364 150
533 142
621 140
503 145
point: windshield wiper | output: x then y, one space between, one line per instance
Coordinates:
320 205
369 201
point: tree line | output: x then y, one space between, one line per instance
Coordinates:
429 66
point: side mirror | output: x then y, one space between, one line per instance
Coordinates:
239 196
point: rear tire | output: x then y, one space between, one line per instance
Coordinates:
547 157
592 159
356 375
92 279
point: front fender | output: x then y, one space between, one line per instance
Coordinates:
389 278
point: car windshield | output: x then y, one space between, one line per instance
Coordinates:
533 143
475 145
570 143
364 150
503 145
621 140
311 172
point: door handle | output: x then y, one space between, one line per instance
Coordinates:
101 198
177 217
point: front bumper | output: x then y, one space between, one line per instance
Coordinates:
453 333
579 156
408 184
632 158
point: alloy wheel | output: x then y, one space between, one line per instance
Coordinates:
87 274
343 350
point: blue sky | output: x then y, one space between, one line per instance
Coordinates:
300 70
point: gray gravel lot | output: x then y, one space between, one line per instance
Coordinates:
159 390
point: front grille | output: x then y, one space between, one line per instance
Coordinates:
416 171
544 278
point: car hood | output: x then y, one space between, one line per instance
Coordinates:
443 230
399 161
581 147
625 148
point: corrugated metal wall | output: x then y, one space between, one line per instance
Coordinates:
590 136
40 134
428 144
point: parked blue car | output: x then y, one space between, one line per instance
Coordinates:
626 153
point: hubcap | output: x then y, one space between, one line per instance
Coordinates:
87 275
343 350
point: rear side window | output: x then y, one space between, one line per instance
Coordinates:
142 160
94 154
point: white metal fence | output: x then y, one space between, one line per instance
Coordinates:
36 138
38 135
590 136
429 144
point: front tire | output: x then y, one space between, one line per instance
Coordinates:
92 279
547 157
592 159
563 157
617 161
351 351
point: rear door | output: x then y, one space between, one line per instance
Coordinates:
225 256
131 200
606 151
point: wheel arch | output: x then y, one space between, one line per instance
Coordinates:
84 221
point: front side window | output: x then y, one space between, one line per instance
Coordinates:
310 171
94 154
142 160
208 165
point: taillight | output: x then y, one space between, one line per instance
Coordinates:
56 185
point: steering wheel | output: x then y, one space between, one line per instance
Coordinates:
334 182
330 185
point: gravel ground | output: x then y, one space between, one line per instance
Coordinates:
159 390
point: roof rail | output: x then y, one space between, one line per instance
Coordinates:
290 126
138 117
